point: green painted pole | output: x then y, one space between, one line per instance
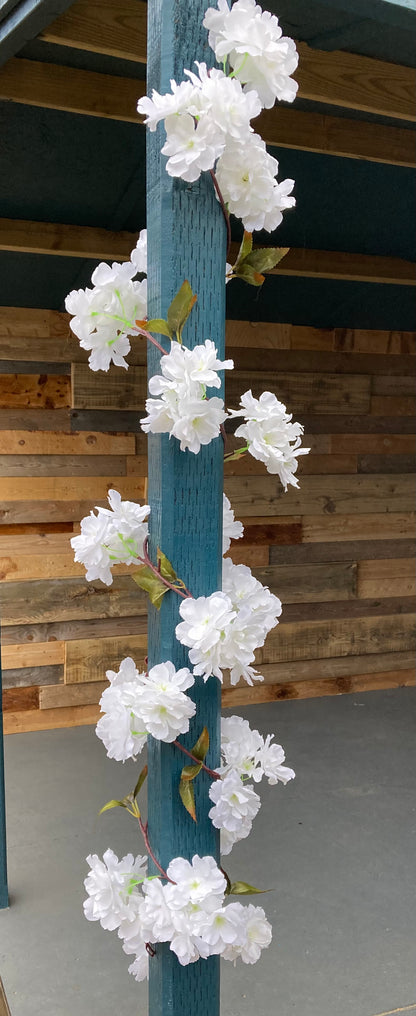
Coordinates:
186 240
4 896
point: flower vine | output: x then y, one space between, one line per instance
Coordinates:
207 120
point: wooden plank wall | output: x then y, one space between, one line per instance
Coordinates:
339 551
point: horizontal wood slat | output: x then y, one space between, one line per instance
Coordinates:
101 244
349 495
25 444
231 698
337 78
68 600
306 640
69 89
34 391
88 659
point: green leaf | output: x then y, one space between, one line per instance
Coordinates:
187 796
244 889
166 568
201 747
112 804
140 782
265 258
246 272
158 325
189 772
152 585
245 247
180 308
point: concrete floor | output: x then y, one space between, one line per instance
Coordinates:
338 843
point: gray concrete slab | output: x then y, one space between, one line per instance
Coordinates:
337 845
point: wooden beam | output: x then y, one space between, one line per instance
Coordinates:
23 21
103 244
337 78
356 82
88 93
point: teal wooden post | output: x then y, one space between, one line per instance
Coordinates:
186 240
4 897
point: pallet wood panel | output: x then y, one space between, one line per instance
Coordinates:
71 695
36 419
394 405
324 639
22 568
339 78
44 511
372 444
38 654
396 577
339 609
231 698
87 93
35 391
69 600
308 361
274 335
88 659
116 389
26 676
374 525
310 582
62 465
57 488
50 719
352 550
50 443
349 495
386 463
309 393
65 630
20 698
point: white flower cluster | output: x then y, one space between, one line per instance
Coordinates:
207 118
231 529
115 536
137 704
245 755
183 409
188 911
270 434
105 315
223 630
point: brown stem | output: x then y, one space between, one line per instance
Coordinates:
211 772
223 209
150 338
146 560
143 830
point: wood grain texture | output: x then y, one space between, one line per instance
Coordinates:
34 323
49 719
57 488
274 335
107 96
323 639
65 630
337 78
339 609
347 495
50 443
310 582
372 526
386 463
71 695
26 676
36 420
356 82
99 244
339 666
372 444
394 577
89 659
40 391
231 698
312 361
20 698
351 550
116 389
46 512
23 567
343 424
69 600
62 465
107 421
38 654
308 392
393 405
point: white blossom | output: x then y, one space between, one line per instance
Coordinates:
270 435
246 175
252 41
191 146
196 880
105 316
231 529
255 933
108 882
183 99
138 256
162 705
235 806
140 966
246 592
183 410
120 728
203 629
116 535
247 753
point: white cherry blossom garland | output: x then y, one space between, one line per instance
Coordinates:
207 119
